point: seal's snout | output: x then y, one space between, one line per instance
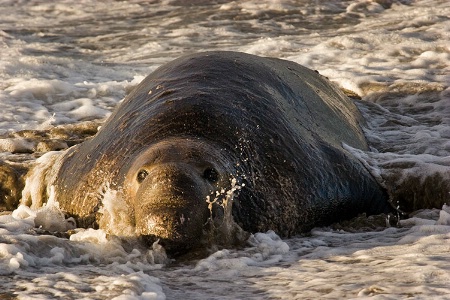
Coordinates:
170 203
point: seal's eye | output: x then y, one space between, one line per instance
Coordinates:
141 175
211 175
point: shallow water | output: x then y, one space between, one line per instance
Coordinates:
69 63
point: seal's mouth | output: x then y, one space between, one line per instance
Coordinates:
178 230
172 247
178 236
164 226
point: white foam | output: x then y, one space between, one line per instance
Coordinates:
267 249
16 145
47 258
51 218
115 217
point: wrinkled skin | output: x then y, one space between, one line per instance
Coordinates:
198 122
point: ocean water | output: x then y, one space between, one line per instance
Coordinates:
65 65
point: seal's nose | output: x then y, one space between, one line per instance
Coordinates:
171 204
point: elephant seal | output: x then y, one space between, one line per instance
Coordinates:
251 141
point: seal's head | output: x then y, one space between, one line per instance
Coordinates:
169 185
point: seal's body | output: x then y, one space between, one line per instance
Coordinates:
211 123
